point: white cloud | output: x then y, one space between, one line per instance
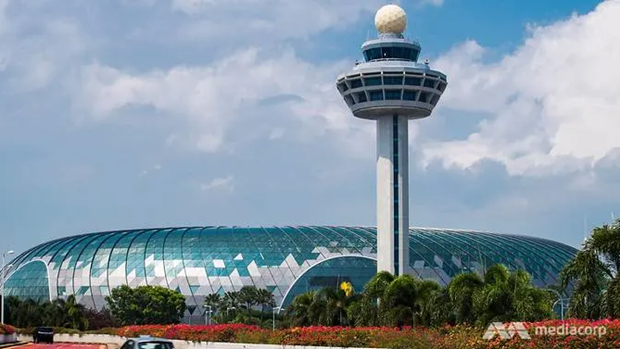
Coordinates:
553 102
273 20
433 2
207 100
150 170
224 183
276 133
35 47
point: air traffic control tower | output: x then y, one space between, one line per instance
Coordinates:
391 87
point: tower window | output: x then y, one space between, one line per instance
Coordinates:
424 96
372 54
373 81
356 83
429 83
376 95
361 97
435 99
342 87
442 86
349 100
409 81
409 95
393 80
392 94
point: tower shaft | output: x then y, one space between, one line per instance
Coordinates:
392 194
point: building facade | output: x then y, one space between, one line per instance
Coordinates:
198 261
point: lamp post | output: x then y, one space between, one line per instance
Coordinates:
276 309
228 309
208 315
560 299
3 282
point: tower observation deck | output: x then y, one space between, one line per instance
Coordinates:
391 87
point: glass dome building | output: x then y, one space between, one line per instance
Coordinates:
198 261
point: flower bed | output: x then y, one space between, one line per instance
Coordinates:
7 334
6 329
458 337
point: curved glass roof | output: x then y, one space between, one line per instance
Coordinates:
198 261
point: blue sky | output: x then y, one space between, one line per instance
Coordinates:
146 113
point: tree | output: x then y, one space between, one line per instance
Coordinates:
213 302
62 312
442 310
98 319
265 299
509 296
388 300
461 291
426 291
593 275
400 300
146 305
248 295
70 314
300 311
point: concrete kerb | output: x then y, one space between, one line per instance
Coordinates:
114 342
12 345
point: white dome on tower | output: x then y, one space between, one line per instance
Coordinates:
391 19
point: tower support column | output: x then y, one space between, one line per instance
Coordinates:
392 194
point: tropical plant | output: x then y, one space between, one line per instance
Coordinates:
593 275
461 291
69 313
62 312
226 308
509 296
146 305
248 296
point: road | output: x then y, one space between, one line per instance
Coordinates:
61 346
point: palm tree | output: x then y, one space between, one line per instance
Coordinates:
375 288
461 291
265 299
510 296
425 294
593 275
230 301
213 303
300 310
335 302
248 295
589 277
70 313
401 300
442 309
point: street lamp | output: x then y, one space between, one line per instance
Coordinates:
3 282
208 315
560 299
228 309
274 316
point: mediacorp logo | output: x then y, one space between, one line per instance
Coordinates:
518 328
506 332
